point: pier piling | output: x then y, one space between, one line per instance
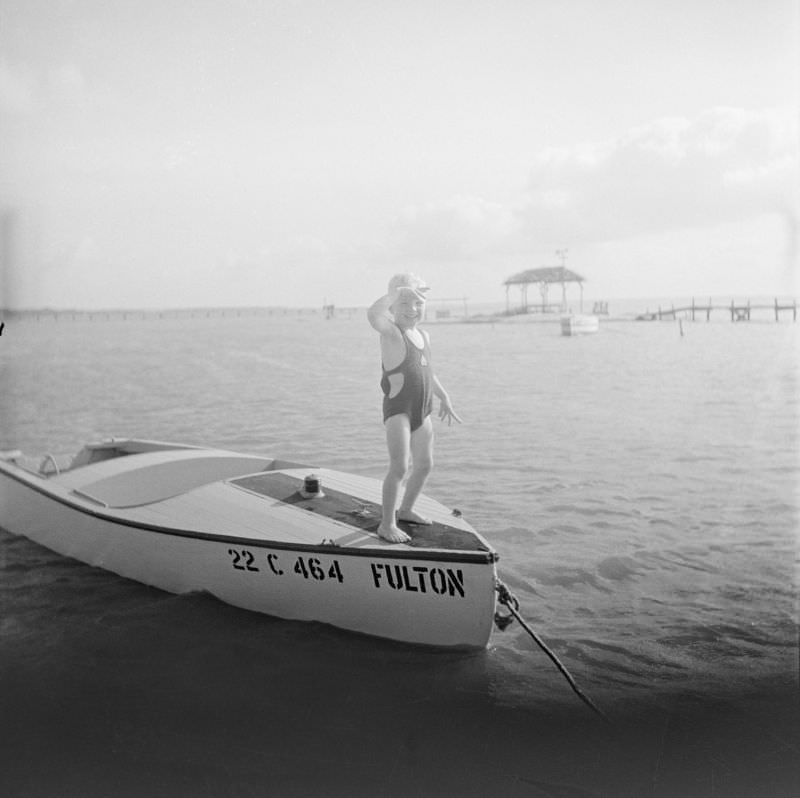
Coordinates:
736 311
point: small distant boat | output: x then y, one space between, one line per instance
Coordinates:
286 539
579 324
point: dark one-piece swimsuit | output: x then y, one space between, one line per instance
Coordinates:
415 398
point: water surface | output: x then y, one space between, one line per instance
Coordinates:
640 486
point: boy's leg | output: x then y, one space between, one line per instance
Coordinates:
421 465
398 436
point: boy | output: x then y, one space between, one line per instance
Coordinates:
408 384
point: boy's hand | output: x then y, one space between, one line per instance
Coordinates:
446 412
408 291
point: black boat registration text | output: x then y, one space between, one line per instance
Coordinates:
307 567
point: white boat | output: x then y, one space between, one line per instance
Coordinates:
286 539
579 324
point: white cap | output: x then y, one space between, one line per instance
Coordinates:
408 280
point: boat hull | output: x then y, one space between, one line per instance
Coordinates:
579 324
413 596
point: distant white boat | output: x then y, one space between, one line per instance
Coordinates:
258 533
579 324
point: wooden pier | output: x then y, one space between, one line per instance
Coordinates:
737 312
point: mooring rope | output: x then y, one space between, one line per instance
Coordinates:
506 597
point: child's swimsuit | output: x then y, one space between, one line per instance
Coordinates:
415 397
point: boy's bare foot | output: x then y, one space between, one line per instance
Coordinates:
392 533
410 517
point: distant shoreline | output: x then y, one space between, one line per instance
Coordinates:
75 314
623 307
632 310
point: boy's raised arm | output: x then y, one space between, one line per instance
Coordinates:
379 315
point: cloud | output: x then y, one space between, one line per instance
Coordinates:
463 227
672 174
66 85
17 91
287 253
24 91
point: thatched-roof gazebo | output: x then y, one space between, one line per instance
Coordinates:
544 278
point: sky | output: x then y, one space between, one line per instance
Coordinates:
185 153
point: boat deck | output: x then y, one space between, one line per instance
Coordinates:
213 493
363 516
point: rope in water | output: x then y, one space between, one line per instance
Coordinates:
506 597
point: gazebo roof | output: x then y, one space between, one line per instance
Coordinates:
549 274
